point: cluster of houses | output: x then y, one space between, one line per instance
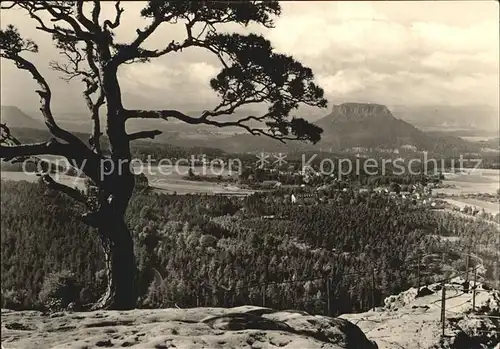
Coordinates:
403 148
418 194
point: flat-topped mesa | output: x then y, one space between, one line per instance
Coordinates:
359 111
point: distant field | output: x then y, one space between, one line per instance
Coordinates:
460 132
166 180
489 207
21 176
476 138
472 181
173 181
476 181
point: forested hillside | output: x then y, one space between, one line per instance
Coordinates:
353 124
219 251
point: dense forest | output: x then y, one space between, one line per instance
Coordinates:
221 251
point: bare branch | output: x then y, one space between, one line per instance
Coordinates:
93 86
96 83
144 134
19 152
165 114
55 30
71 192
45 99
68 73
7 7
133 51
6 136
51 147
87 23
59 12
75 58
142 35
12 150
13 147
96 12
116 22
64 14
91 78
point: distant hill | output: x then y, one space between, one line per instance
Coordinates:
15 117
368 125
351 125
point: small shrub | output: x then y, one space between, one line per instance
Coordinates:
156 296
58 290
208 241
13 299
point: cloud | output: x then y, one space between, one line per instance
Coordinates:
460 63
344 82
365 50
202 71
178 83
407 88
313 34
477 37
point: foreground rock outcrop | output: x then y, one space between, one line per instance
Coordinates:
409 321
242 327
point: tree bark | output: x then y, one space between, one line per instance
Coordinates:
118 249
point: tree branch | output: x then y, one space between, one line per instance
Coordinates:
134 52
8 7
94 140
20 152
144 134
96 12
142 35
96 83
75 58
11 52
87 23
12 150
16 150
87 162
61 11
165 114
51 147
71 192
116 22
207 14
91 78
6 136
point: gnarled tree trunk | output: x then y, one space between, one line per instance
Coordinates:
118 249
116 190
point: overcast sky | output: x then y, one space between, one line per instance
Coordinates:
394 53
